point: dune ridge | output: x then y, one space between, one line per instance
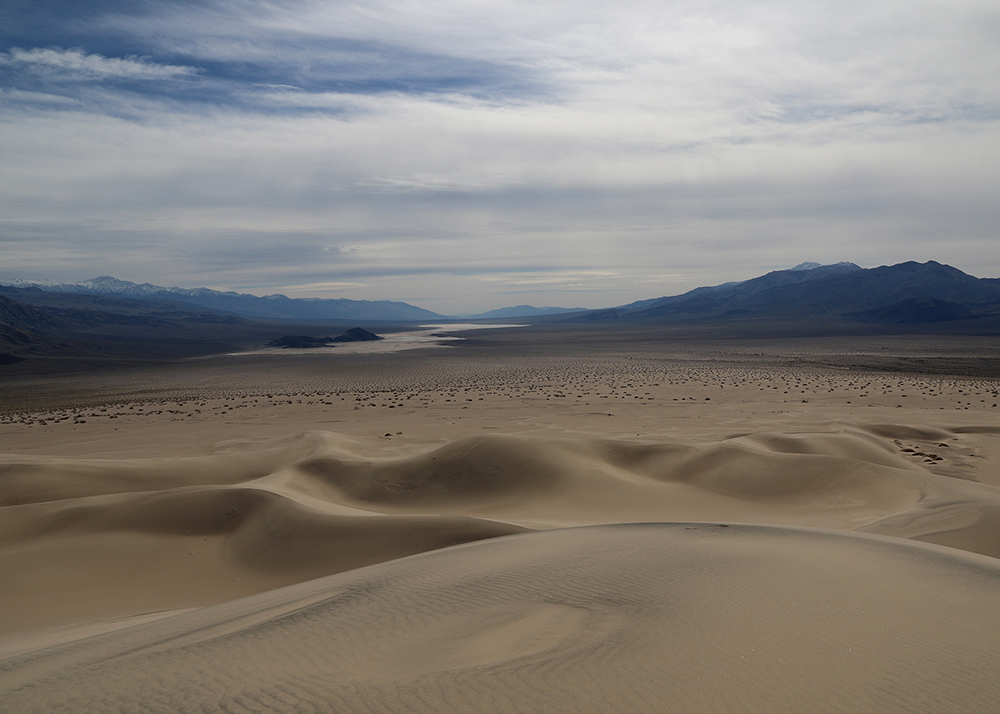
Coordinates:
85 540
25 479
462 530
640 617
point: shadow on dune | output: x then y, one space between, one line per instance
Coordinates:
636 617
92 539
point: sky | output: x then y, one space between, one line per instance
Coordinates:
464 155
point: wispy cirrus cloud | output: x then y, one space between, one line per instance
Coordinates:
410 150
77 64
433 183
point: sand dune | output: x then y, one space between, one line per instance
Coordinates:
32 480
111 556
463 532
93 540
638 618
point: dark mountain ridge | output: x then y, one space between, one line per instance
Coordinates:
72 329
843 291
269 307
142 331
913 311
88 301
59 320
705 298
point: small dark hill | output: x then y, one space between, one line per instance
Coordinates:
299 342
356 334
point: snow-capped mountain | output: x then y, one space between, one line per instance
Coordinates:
842 265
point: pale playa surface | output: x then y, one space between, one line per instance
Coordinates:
181 487
426 336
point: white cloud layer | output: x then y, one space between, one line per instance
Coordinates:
77 63
454 154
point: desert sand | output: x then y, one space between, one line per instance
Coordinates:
526 522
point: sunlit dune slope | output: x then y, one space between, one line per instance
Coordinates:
638 618
85 540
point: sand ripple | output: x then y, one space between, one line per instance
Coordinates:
89 540
637 618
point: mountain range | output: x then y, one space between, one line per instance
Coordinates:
907 293
109 314
268 307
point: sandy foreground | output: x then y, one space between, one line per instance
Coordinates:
770 527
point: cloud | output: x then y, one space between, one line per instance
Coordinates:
315 289
432 183
412 149
76 64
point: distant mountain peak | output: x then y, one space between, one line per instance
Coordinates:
907 293
810 265
110 285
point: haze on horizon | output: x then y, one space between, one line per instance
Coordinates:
463 157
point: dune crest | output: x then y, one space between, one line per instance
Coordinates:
85 540
652 617
37 479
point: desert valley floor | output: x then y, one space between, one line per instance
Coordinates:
523 522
